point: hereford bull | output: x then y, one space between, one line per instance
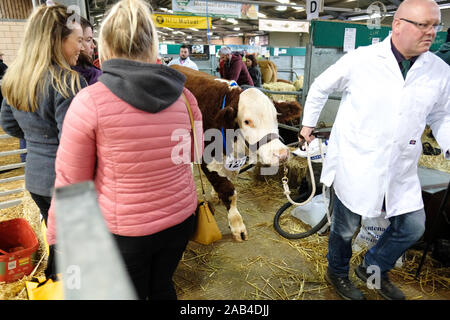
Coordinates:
249 112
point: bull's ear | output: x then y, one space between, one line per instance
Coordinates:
288 110
225 118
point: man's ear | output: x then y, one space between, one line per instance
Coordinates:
395 25
287 110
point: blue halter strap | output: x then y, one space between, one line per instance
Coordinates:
232 84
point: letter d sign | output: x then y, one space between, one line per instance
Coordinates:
312 9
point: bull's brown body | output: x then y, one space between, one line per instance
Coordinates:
210 94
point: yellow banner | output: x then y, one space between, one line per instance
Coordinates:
171 21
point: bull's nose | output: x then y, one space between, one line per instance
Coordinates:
283 155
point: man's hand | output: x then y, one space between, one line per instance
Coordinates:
306 134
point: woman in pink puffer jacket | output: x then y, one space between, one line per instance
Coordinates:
119 133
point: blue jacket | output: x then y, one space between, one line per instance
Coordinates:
41 130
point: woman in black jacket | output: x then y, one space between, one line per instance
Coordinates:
253 69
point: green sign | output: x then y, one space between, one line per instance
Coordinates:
330 34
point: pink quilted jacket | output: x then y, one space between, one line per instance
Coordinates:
127 152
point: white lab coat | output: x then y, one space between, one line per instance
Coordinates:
375 142
186 63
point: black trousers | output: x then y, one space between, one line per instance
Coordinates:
43 204
152 260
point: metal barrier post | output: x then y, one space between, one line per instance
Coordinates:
88 259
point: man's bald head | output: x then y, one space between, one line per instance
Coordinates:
413 6
412 31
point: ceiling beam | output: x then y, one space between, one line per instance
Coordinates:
276 4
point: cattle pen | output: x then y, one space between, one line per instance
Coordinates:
265 267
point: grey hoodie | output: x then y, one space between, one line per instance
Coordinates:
148 87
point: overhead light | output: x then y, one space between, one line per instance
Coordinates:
209 33
167 28
283 1
444 6
194 29
299 9
280 8
358 18
240 34
261 15
189 37
232 20
236 29
164 9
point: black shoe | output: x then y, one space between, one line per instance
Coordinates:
387 290
344 287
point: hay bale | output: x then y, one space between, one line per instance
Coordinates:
433 162
30 212
280 86
297 170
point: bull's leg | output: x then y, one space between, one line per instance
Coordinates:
228 195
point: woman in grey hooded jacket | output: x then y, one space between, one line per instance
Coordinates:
38 88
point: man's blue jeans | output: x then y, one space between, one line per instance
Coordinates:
404 231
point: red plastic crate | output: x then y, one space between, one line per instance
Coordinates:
18 248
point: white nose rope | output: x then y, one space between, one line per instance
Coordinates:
285 179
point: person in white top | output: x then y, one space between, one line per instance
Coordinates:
375 143
184 59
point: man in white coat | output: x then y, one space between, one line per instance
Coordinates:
184 59
375 142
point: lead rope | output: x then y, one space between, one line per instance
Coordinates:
285 180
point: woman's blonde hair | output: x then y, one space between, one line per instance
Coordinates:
40 55
128 32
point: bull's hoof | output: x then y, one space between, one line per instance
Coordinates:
237 226
240 236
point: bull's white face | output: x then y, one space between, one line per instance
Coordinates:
257 117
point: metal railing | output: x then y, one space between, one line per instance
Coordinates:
10 203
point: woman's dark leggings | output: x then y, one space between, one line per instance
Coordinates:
43 204
152 260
